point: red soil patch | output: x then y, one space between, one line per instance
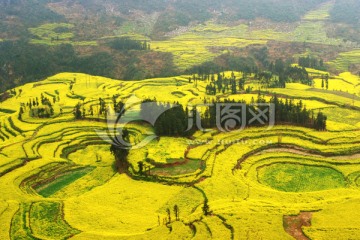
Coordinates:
293 225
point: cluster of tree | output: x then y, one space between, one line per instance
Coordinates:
289 112
286 112
22 62
45 110
271 74
30 12
168 219
346 12
121 151
169 21
229 63
79 111
325 81
102 108
176 120
172 122
309 62
224 84
320 122
125 44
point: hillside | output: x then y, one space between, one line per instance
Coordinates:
179 119
257 183
74 36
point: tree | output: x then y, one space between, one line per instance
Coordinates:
206 208
77 112
141 167
120 151
327 81
169 215
320 122
176 212
21 111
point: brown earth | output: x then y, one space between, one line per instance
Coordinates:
293 225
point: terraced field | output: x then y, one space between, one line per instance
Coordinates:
56 34
58 179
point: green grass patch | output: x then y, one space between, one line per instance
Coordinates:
190 166
20 226
291 177
56 34
62 181
46 221
40 220
53 30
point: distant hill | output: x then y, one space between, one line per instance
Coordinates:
346 12
42 37
17 15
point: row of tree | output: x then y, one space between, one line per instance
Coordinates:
310 62
125 44
285 112
271 74
175 120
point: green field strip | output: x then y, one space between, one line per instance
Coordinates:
50 95
300 147
13 127
2 138
6 168
75 96
188 167
62 180
346 167
8 130
31 180
50 83
7 111
47 221
81 145
43 173
2 129
340 102
354 179
20 225
41 220
59 135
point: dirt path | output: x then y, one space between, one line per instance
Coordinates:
293 225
